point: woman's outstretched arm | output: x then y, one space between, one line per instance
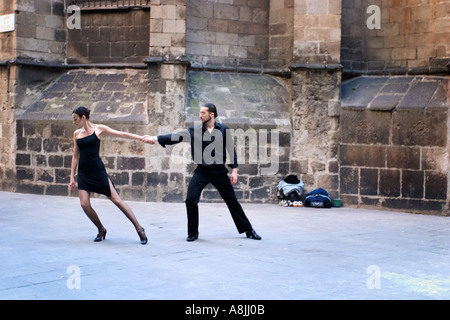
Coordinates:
107 131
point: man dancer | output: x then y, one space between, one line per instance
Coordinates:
210 143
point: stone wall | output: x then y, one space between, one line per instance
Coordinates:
118 36
317 31
256 108
168 29
394 150
412 37
315 132
44 154
269 65
316 79
40 30
44 141
7 131
152 173
281 33
227 32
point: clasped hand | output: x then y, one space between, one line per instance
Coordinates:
149 139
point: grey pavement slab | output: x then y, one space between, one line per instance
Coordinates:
47 252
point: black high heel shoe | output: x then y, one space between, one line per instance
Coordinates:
144 239
101 235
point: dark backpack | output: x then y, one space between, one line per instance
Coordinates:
318 198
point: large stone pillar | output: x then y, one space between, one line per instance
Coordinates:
316 79
166 178
7 116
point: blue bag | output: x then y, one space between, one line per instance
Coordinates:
318 198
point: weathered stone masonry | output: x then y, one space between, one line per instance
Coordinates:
270 66
394 143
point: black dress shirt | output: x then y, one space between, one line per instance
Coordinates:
208 149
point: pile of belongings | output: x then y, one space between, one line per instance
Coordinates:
290 190
318 198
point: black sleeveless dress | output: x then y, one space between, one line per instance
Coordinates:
92 174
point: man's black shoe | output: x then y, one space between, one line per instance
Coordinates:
193 238
253 235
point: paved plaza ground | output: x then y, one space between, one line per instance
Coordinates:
47 252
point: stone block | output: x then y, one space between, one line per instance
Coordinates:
200 9
349 180
385 102
238 52
439 100
45 176
24 173
434 159
55 161
419 128
100 50
34 144
57 190
403 157
362 156
174 26
414 205
23 160
219 50
30 188
160 40
359 92
316 7
227 38
45 33
328 181
418 95
43 7
436 185
120 178
412 184
164 12
367 127
368 182
389 185
226 12
155 179
62 176
130 163
138 178
156 25
51 145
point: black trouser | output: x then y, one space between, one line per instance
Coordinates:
222 183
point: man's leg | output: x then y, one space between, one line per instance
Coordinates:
226 190
196 185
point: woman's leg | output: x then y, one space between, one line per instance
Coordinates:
124 207
85 199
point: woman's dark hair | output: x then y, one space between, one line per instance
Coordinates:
211 108
82 111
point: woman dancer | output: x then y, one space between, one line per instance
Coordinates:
92 176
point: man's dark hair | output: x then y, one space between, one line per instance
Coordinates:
211 108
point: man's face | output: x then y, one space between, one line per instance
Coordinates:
205 115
